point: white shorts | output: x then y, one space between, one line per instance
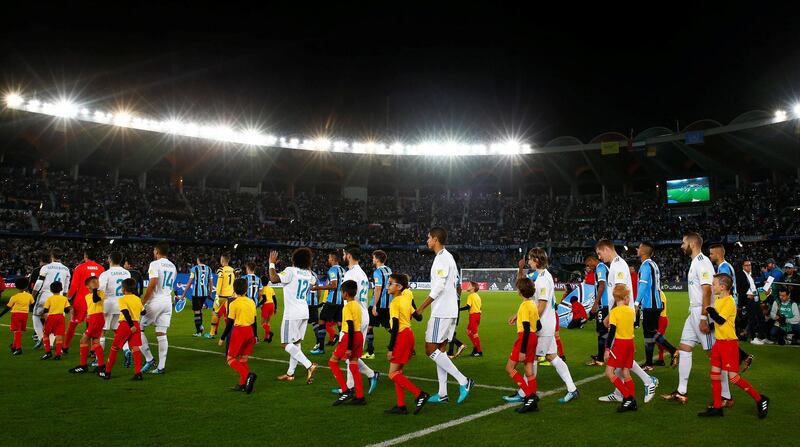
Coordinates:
111 306
691 334
546 345
157 314
440 330
112 322
293 331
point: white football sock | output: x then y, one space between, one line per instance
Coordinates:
292 366
636 369
684 369
163 347
38 327
298 355
364 369
563 371
145 348
726 385
441 359
350 381
441 375
102 342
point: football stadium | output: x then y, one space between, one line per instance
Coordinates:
216 228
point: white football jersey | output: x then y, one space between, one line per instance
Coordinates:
356 273
111 282
701 272
52 272
296 288
444 281
164 273
546 291
619 273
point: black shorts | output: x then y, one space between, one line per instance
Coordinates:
198 302
600 328
650 321
381 320
313 314
331 313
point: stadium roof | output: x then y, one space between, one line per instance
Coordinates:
752 146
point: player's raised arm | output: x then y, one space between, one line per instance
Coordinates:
273 274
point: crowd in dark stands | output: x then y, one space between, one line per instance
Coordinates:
51 205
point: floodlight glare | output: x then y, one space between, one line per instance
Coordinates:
14 100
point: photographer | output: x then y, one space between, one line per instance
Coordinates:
786 316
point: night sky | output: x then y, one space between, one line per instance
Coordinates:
387 71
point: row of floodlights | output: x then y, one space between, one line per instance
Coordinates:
253 137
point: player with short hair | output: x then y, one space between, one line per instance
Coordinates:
18 304
473 306
268 305
443 299
331 313
225 277
241 318
94 328
725 352
44 259
401 344
254 287
200 281
648 299
157 302
524 350
620 273
352 256
349 348
696 329
620 349
111 284
600 306
48 274
297 281
55 307
379 309
127 332
77 288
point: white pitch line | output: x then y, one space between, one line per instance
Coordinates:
425 379
472 417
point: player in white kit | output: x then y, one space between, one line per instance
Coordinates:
696 329
157 302
443 299
620 273
48 274
297 282
354 272
544 298
111 284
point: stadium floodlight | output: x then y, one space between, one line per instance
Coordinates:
780 115
63 108
14 100
796 110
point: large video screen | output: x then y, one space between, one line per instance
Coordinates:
688 190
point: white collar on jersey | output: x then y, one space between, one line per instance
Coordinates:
440 251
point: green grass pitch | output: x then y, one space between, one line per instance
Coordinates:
679 195
192 404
